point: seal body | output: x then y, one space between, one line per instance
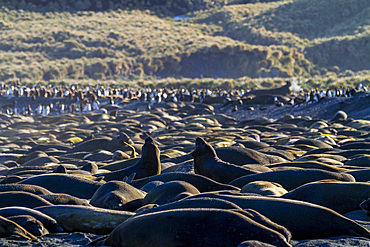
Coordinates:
51 224
10 228
115 195
208 164
77 218
293 178
29 223
22 199
65 183
342 197
191 227
148 165
304 220
170 192
203 184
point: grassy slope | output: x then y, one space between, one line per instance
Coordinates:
330 33
277 39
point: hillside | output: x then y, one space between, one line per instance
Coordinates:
133 40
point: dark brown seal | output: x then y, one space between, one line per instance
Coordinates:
148 165
207 163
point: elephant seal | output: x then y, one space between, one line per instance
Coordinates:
32 225
61 199
192 227
30 156
297 216
102 143
194 203
293 178
151 185
170 192
148 165
311 164
21 199
341 197
207 163
8 228
77 218
34 189
242 156
41 161
65 183
361 175
263 220
202 183
51 224
264 188
116 195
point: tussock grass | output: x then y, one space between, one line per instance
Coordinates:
142 42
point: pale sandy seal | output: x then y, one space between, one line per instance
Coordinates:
264 188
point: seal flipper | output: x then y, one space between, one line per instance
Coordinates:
263 220
358 230
129 179
98 241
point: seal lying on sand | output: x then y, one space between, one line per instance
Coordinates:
102 143
194 203
77 218
304 220
10 228
148 165
32 225
292 178
115 195
208 164
170 192
202 183
34 189
51 224
192 227
59 198
65 183
342 197
23 199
